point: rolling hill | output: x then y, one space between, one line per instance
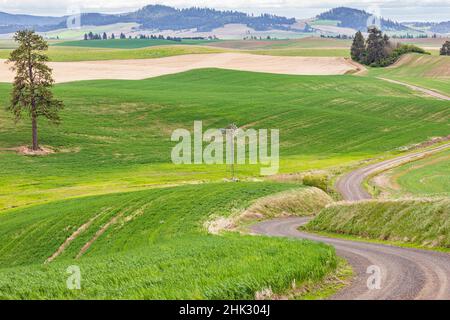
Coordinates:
340 119
154 17
357 19
151 245
432 72
202 21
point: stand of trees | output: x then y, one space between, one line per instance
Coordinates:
377 50
104 36
31 91
445 50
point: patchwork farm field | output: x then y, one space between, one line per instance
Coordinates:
129 43
303 43
120 49
110 200
155 247
62 54
115 135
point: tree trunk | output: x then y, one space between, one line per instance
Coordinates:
35 132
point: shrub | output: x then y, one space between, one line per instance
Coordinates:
397 53
445 50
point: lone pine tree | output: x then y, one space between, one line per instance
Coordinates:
33 81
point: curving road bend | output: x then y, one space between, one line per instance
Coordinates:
405 274
350 186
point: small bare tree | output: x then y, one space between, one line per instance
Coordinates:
33 82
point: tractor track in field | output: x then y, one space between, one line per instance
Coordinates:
406 273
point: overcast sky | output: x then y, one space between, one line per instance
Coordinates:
403 10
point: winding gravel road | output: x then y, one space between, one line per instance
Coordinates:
350 186
405 273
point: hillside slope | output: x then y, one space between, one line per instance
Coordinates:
431 72
357 19
421 222
151 245
115 135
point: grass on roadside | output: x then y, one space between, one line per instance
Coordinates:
422 222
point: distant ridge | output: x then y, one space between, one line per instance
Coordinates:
159 17
357 19
154 17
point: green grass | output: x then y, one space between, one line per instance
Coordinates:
426 177
157 249
60 54
115 135
128 43
302 43
422 222
430 72
7 44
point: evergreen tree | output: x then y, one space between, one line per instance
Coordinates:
85 36
358 50
445 50
376 51
105 36
33 81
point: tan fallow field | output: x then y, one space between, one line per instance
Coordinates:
147 68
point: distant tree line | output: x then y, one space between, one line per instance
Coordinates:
412 36
377 50
104 36
258 38
338 36
395 36
101 36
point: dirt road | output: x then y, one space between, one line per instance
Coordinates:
416 88
148 68
404 273
350 186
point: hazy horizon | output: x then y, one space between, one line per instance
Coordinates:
401 10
